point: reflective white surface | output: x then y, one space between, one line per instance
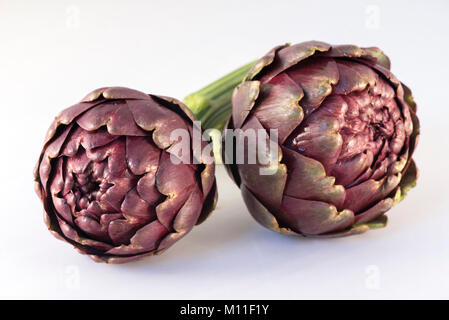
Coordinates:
54 52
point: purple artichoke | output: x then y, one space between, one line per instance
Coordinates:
106 178
347 129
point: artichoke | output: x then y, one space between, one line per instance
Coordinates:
347 130
107 182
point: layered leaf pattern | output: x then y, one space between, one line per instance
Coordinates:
106 178
347 131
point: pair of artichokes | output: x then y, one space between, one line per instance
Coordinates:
346 131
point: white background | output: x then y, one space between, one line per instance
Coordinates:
54 52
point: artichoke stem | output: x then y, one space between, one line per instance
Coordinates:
212 104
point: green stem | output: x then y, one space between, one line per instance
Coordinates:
212 104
